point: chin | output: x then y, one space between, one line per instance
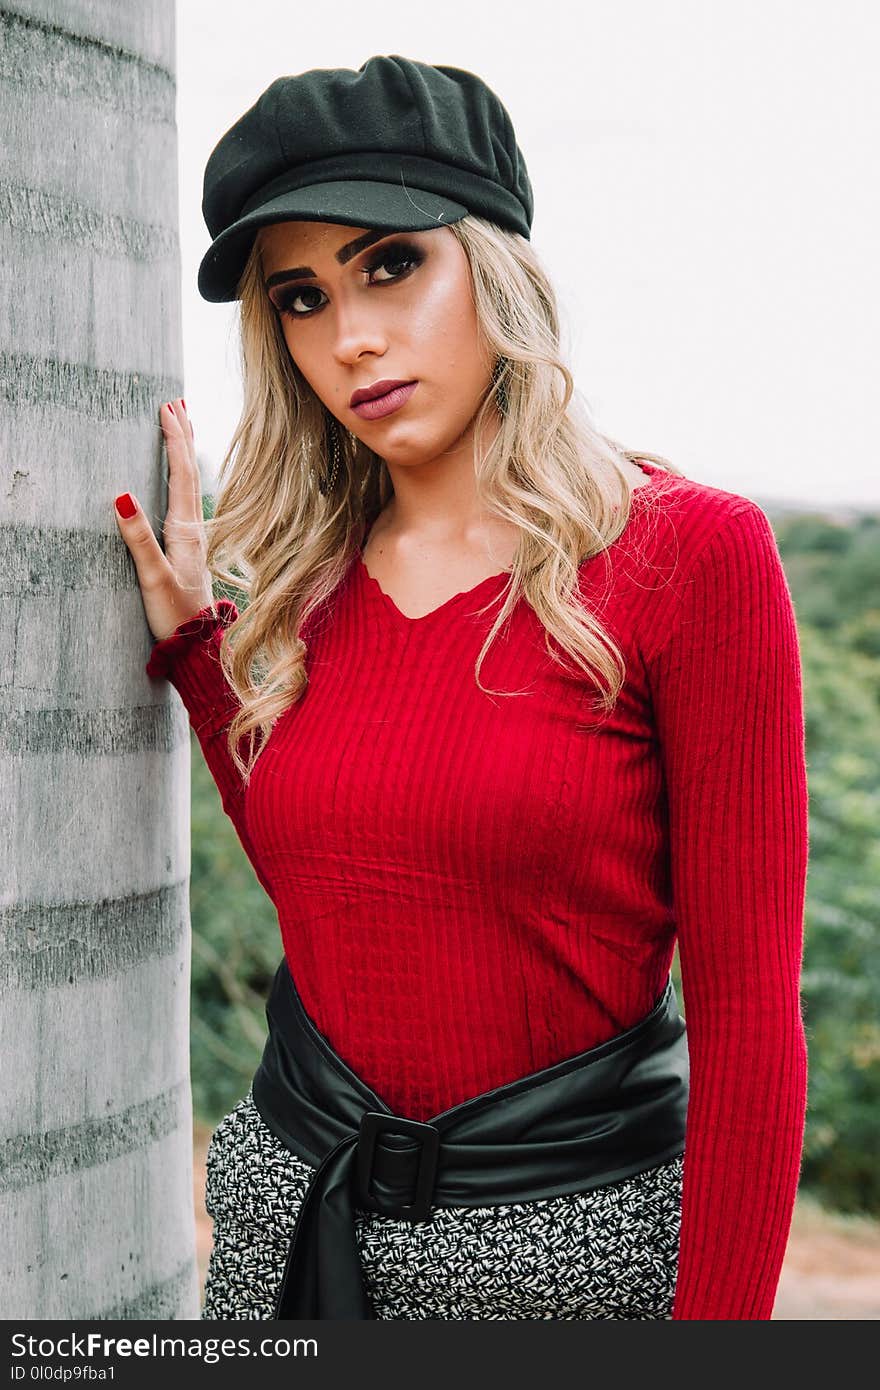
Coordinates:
404 443
406 446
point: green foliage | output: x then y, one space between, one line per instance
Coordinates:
236 950
834 575
833 571
841 977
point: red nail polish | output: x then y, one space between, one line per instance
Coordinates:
126 505
170 407
183 402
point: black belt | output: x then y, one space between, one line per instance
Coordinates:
595 1118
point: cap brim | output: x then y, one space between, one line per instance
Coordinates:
356 203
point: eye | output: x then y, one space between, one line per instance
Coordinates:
397 261
401 257
287 300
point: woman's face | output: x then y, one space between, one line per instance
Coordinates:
360 307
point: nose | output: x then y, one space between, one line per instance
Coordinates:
358 330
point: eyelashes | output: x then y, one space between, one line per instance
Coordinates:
398 253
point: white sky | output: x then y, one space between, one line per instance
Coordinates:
706 203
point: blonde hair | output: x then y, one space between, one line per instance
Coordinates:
278 540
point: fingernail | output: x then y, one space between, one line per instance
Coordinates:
170 406
183 402
126 505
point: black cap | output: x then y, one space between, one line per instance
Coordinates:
397 145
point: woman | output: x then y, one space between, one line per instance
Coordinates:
508 712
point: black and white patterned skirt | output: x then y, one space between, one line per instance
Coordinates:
608 1253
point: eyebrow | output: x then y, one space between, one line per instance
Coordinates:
343 255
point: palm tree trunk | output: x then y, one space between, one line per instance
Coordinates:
96 1206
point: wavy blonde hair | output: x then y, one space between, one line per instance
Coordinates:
278 540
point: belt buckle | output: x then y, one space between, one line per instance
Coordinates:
373 1122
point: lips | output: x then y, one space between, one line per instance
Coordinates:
374 406
378 388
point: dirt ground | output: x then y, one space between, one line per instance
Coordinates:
831 1270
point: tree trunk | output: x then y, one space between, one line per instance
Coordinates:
96 1204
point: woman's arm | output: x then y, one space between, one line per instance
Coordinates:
727 687
190 659
177 581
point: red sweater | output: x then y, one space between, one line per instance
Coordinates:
470 889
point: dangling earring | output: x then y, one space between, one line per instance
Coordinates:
334 452
498 374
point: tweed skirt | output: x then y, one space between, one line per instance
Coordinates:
608 1253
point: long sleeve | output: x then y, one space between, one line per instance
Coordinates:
189 658
727 689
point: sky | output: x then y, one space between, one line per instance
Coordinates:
706 205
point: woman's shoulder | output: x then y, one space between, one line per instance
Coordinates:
684 514
684 539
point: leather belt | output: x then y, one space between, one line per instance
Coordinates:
592 1119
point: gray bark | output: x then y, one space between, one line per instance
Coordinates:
96 1203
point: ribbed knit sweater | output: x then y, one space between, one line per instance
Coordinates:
470 887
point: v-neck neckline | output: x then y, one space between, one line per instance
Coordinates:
387 601
372 586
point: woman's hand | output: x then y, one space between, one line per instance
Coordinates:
175 585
